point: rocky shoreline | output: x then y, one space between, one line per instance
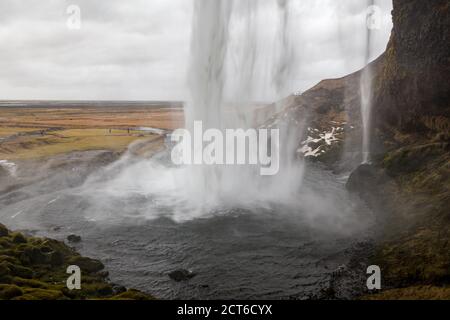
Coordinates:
35 269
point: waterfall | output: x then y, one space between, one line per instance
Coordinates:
224 78
366 88
241 51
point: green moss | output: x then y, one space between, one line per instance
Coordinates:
3 231
411 158
41 294
21 271
5 243
86 264
35 269
29 283
412 293
31 255
18 238
416 251
9 259
4 268
8 292
95 290
132 295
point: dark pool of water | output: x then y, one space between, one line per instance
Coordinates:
236 254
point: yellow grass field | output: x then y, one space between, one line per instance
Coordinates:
33 133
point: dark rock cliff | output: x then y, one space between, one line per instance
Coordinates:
412 90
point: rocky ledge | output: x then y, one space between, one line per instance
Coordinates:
35 269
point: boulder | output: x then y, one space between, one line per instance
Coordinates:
4 269
363 178
18 238
33 255
86 264
74 238
4 232
181 275
118 289
9 291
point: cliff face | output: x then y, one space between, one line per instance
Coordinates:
412 123
332 108
411 84
412 91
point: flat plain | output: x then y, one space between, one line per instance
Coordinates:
32 131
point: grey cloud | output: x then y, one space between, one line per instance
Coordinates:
139 49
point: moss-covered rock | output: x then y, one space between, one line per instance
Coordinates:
35 269
412 293
8 292
19 270
41 294
4 269
21 282
96 290
18 238
3 231
132 295
74 238
86 264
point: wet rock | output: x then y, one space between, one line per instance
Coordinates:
41 294
56 258
375 188
3 231
4 269
3 172
365 178
103 274
181 275
118 289
132 295
74 238
86 264
339 271
33 255
18 238
9 291
20 271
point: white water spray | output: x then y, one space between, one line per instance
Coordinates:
366 86
237 57
222 100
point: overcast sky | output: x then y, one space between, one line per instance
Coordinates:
139 49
